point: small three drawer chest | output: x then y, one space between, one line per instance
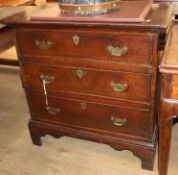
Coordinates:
95 81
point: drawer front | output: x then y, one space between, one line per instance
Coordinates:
124 47
89 115
132 86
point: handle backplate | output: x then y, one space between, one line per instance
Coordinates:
117 51
43 45
52 110
47 79
119 87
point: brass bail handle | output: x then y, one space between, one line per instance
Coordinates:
119 87
46 80
118 121
117 51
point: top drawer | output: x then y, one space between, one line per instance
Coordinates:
125 47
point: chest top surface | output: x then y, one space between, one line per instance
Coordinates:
159 17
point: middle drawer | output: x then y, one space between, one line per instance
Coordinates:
123 85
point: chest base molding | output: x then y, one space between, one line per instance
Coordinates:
143 150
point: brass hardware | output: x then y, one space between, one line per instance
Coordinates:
53 111
83 105
80 73
47 79
118 121
117 51
118 87
76 39
43 45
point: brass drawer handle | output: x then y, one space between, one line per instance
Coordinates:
80 73
118 121
47 79
52 110
117 51
76 39
119 87
43 45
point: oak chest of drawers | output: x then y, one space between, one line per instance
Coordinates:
93 81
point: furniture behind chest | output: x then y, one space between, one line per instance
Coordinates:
93 80
6 33
16 2
168 108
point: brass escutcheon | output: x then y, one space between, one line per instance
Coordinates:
117 51
118 121
80 73
76 39
52 110
119 87
83 105
47 79
43 45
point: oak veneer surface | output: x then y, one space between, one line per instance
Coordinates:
93 93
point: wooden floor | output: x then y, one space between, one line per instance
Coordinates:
65 156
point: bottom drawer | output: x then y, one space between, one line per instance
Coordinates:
91 116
